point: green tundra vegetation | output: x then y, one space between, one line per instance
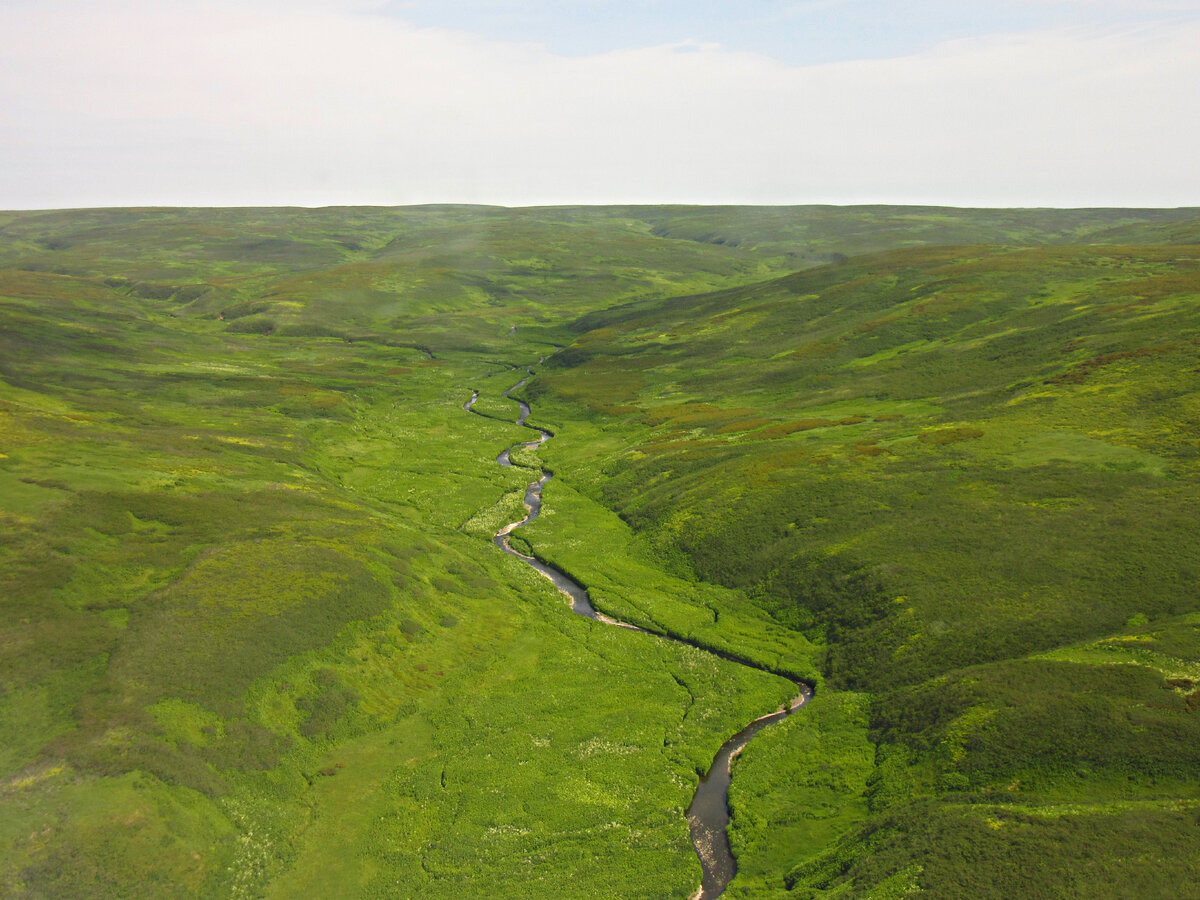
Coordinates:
942 464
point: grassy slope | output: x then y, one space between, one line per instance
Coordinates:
942 463
254 637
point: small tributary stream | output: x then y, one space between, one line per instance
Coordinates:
708 814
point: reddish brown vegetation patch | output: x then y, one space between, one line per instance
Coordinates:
871 449
1080 373
696 415
743 425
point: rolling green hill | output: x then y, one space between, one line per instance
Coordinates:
257 642
972 474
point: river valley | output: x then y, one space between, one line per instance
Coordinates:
708 813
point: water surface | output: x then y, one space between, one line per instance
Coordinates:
708 814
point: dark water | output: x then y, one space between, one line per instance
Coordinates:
708 814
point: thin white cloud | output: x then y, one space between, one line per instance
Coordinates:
210 103
1142 6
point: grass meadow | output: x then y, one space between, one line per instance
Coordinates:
943 464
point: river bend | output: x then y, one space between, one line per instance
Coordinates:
708 814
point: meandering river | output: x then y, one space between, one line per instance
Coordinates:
708 814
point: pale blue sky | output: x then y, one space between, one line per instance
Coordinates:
799 32
321 102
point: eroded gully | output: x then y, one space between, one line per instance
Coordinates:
708 814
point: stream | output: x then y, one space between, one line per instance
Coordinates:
708 814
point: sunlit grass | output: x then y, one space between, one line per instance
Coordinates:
257 640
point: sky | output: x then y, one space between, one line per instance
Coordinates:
530 102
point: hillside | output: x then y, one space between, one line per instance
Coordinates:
941 463
972 475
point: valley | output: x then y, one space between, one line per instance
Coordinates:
941 465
